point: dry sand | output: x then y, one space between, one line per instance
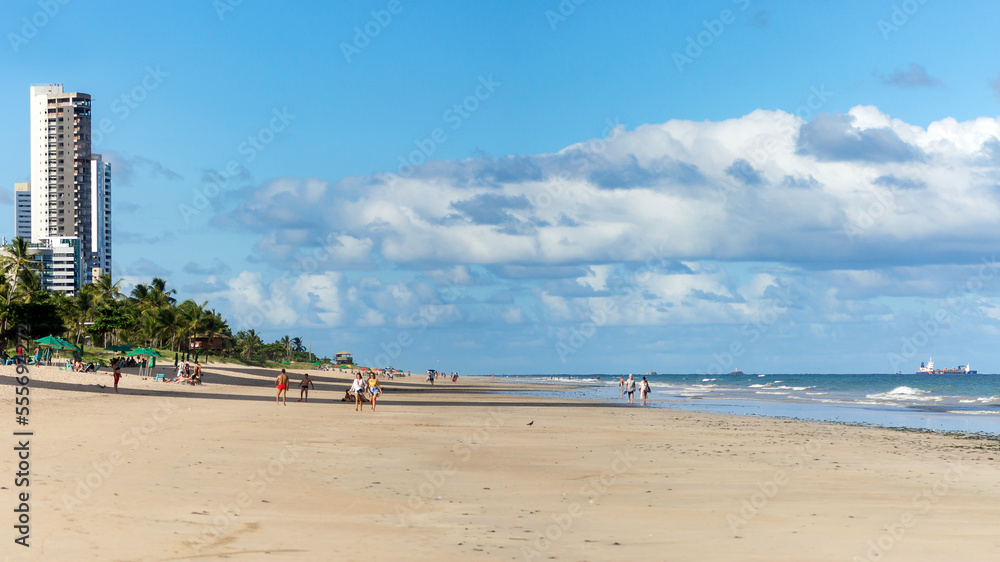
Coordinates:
454 472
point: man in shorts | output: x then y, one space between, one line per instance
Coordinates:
630 387
282 383
304 387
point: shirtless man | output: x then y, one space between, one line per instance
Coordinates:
197 372
305 385
282 383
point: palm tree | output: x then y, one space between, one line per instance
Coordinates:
248 343
105 290
297 344
15 256
77 312
159 295
286 342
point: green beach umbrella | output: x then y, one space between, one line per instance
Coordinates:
317 363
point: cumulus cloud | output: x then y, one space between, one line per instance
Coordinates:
675 223
832 138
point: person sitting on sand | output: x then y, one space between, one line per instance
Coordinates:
358 390
373 389
304 386
282 383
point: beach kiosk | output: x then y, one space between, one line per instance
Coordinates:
343 358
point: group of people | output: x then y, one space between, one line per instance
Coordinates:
283 382
628 387
19 357
187 374
360 390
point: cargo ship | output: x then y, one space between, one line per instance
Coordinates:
928 369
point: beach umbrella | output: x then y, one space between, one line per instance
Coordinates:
55 343
122 347
317 363
286 362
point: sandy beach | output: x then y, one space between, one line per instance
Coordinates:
455 471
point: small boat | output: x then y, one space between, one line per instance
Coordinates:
651 374
736 372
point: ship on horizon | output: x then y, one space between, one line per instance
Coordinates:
928 369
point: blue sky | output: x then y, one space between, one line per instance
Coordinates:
812 188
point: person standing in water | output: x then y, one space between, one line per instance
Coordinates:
621 387
630 387
304 386
643 389
282 383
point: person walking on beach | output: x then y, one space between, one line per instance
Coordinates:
630 387
358 390
282 383
643 389
373 389
304 386
117 375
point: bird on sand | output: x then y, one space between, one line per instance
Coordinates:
531 422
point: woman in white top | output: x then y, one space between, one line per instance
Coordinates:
358 389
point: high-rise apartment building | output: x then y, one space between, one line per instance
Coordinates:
22 210
100 216
70 186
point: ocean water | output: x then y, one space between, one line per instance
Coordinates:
963 403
